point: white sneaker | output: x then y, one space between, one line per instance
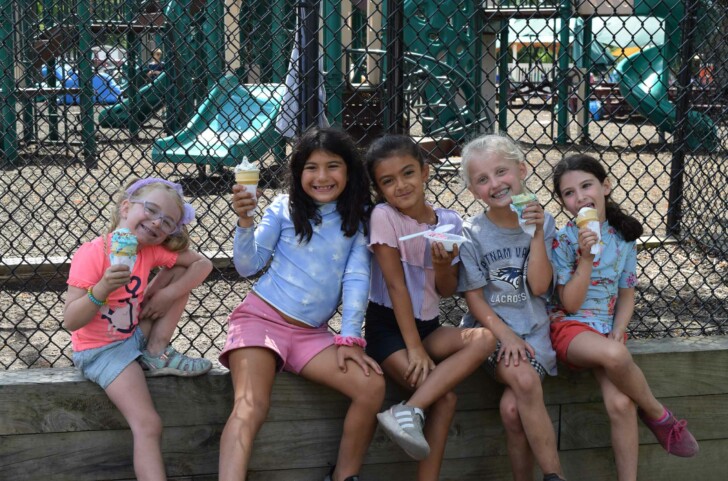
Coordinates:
403 424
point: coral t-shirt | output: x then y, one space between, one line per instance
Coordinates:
117 319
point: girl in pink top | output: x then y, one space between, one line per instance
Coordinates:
112 310
402 326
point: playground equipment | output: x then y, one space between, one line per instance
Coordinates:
234 121
192 63
136 111
106 90
644 81
45 35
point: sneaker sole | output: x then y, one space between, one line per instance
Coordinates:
402 439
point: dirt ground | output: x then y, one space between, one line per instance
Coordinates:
52 203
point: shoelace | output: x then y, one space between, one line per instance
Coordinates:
676 432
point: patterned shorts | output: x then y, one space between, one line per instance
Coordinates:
491 363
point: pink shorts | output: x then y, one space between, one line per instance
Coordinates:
563 332
256 324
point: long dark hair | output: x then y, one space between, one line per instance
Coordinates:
630 228
391 145
354 203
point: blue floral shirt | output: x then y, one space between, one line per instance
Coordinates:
614 268
307 280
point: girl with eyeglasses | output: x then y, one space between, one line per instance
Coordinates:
121 323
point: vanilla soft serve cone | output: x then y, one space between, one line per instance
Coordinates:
588 217
248 175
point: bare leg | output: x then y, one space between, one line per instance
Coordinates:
592 350
623 420
437 426
129 393
366 394
526 386
159 332
253 371
458 352
438 420
519 451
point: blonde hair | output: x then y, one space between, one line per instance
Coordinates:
486 146
176 242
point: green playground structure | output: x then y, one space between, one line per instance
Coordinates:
139 109
645 79
234 121
192 32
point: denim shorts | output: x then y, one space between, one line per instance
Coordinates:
104 364
382 334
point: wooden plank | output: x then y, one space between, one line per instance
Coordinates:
194 449
94 455
654 464
60 400
586 425
691 363
652 241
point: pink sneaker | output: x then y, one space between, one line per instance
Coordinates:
673 435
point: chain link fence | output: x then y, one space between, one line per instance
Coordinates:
96 93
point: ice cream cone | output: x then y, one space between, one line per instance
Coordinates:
518 204
586 215
247 177
520 200
123 248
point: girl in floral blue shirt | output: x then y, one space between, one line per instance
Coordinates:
594 306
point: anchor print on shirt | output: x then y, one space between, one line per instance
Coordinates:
124 317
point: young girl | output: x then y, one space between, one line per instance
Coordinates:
316 237
506 278
595 304
403 331
112 310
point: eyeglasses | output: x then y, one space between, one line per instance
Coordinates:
154 212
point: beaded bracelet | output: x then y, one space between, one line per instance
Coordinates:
90 294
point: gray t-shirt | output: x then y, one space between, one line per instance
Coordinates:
496 260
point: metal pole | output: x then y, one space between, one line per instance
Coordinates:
333 58
503 74
395 114
587 69
309 57
677 165
85 79
7 74
562 77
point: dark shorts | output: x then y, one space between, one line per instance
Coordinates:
381 332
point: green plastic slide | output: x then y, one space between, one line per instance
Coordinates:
151 99
643 89
643 75
235 120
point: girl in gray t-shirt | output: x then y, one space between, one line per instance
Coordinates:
505 277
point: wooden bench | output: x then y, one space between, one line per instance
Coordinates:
56 426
